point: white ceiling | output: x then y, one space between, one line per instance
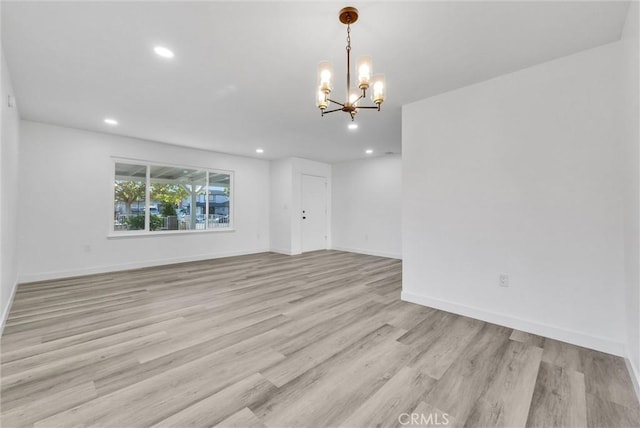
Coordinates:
244 74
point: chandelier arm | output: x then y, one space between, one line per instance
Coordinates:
376 107
335 102
330 111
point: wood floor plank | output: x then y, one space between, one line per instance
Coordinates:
325 327
527 338
263 321
312 317
74 307
470 375
143 319
604 413
559 398
253 337
320 350
429 330
295 390
84 349
319 302
155 323
401 394
147 402
409 315
507 400
215 408
434 357
607 377
338 393
242 419
56 376
320 339
564 355
36 409
91 323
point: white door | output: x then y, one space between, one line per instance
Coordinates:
314 213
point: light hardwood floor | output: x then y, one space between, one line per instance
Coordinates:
316 340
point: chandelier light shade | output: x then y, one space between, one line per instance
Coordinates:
364 71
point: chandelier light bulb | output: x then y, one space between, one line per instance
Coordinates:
377 95
322 99
325 71
364 71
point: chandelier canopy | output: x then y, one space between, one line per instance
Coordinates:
348 16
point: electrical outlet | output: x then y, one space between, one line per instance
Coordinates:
503 280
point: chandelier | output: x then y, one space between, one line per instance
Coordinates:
348 16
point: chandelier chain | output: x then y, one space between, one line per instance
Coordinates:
349 65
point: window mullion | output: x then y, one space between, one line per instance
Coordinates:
206 202
147 208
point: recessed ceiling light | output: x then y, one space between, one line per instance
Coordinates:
163 52
353 126
110 121
259 150
368 151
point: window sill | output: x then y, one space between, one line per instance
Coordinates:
118 235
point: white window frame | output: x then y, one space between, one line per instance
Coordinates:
147 232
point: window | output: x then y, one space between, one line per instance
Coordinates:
157 198
130 189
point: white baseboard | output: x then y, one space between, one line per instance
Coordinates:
7 308
369 252
634 373
285 252
45 276
576 338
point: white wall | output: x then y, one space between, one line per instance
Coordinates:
8 194
521 175
367 198
632 181
286 202
66 183
281 199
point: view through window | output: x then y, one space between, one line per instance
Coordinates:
156 198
